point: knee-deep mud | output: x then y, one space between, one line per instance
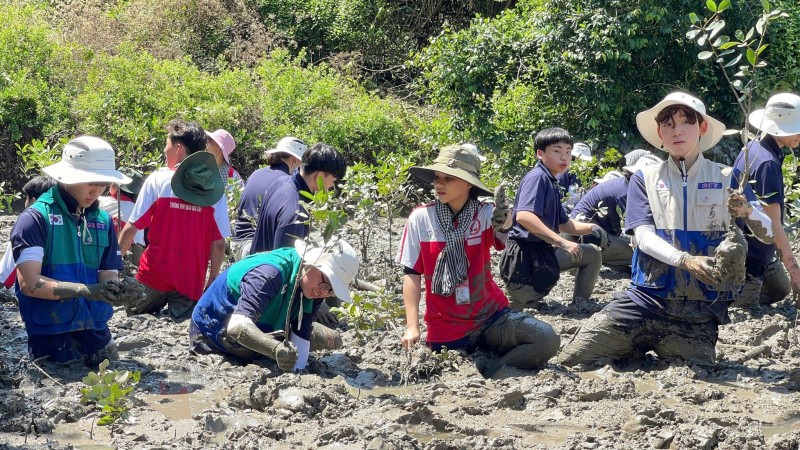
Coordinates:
371 395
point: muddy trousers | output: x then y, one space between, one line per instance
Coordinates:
520 339
624 330
179 307
588 265
617 255
764 285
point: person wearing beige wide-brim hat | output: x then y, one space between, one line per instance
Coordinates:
778 124
66 255
678 212
449 242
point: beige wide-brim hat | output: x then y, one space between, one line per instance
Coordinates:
289 145
338 262
781 116
87 159
461 161
646 121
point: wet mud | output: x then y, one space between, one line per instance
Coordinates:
729 260
372 395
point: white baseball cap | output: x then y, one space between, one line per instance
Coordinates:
582 151
87 159
290 145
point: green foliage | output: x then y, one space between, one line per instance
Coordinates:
38 154
586 66
110 391
370 312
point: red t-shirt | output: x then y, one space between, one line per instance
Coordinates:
422 242
180 236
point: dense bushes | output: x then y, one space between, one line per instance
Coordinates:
588 66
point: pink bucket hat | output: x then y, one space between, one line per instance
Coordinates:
225 142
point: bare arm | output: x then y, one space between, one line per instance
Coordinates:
576 228
217 255
412 292
534 224
126 237
773 211
33 284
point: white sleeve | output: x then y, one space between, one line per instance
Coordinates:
758 215
236 322
221 217
410 247
649 242
303 349
147 197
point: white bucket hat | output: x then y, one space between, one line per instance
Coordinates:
642 162
582 151
338 262
87 159
781 117
609 176
634 155
646 120
290 145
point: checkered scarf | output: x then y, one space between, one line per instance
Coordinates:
451 265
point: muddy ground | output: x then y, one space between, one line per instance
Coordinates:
370 395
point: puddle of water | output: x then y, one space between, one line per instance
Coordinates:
425 438
788 426
179 406
552 435
643 386
743 393
77 434
377 391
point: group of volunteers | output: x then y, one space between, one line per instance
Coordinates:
658 220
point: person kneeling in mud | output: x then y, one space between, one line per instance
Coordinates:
676 212
448 241
244 310
604 205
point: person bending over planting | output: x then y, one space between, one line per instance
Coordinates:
448 242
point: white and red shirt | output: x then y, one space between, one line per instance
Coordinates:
423 240
180 236
120 212
8 269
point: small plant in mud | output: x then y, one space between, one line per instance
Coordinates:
371 311
738 58
110 391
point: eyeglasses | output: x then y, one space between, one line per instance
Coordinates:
325 285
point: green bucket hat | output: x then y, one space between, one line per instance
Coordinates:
137 181
197 180
460 160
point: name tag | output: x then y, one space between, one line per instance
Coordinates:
462 293
709 185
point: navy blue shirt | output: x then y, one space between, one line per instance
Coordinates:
278 220
538 193
766 158
600 205
31 231
252 198
565 180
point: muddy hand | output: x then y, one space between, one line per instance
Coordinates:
502 210
574 249
286 356
325 316
738 206
602 235
410 337
701 267
131 293
106 291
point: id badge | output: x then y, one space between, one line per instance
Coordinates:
462 293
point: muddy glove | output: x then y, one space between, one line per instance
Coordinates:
702 267
325 316
501 217
286 356
131 292
602 235
106 291
738 206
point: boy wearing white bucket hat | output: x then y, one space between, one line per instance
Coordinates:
604 205
244 311
281 162
65 250
677 212
779 123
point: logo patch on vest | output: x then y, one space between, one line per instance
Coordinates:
96 225
709 185
56 219
662 185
